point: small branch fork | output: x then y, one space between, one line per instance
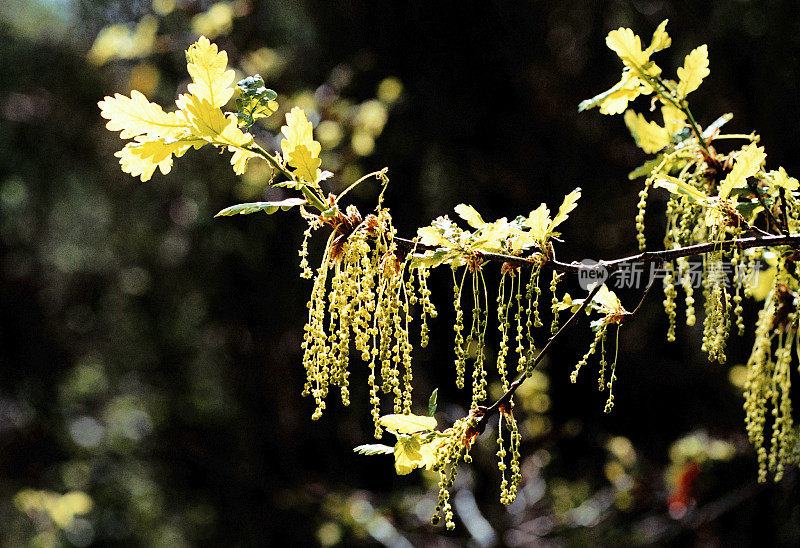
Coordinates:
482 413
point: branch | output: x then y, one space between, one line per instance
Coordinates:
505 398
792 240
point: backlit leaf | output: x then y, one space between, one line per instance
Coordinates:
694 69
254 207
661 39
469 214
306 166
649 136
747 164
570 203
628 47
135 115
407 424
407 455
373 449
211 81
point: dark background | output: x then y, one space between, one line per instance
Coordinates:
150 356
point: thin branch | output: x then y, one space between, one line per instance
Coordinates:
792 240
505 398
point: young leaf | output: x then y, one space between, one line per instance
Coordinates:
661 39
267 207
628 47
135 115
676 186
649 136
298 131
469 214
646 168
373 449
694 69
747 164
305 164
135 165
407 455
211 81
209 123
432 402
615 100
538 221
407 424
255 101
570 202
782 180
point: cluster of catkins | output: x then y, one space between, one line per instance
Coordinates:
768 405
363 290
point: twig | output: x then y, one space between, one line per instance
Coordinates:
505 398
792 240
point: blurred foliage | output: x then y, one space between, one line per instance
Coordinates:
150 356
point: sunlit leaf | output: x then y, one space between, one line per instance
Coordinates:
676 186
306 166
570 203
747 164
407 455
661 39
694 69
135 115
407 424
373 449
254 207
211 80
469 214
649 136
627 46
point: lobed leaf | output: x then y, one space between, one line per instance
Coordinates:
649 136
694 69
373 449
211 80
135 115
469 214
267 207
747 164
407 424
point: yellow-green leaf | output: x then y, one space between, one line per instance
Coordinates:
430 235
135 115
628 47
694 69
209 123
747 164
615 100
649 136
298 131
538 221
570 202
407 424
674 118
136 165
211 80
305 165
267 207
407 455
469 214
782 180
676 186
661 39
